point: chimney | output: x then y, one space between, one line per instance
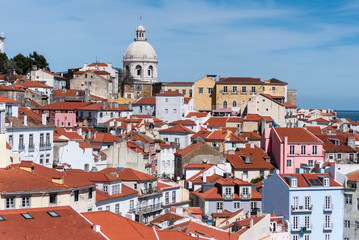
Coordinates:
79 131
103 105
204 178
63 89
111 104
25 120
96 228
44 122
34 67
251 223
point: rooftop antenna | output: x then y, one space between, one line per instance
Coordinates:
140 21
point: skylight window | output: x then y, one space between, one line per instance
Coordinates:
53 214
26 216
2 219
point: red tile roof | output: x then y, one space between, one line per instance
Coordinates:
185 122
102 137
7 100
335 143
51 73
125 191
145 101
255 155
240 80
71 135
69 225
187 99
198 165
189 148
98 107
314 129
354 176
288 105
169 93
303 179
129 174
100 64
251 136
216 122
63 106
179 83
296 135
28 112
177 129
26 83
197 114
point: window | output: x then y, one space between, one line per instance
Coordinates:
90 193
132 203
48 139
31 142
234 104
76 196
210 90
53 199
26 216
10 202
245 191
166 99
326 182
174 110
331 156
184 91
311 163
117 208
307 222
357 203
190 93
138 70
303 149
225 89
295 237
166 110
306 237
253 89
42 140
295 204
244 89
253 205
348 199
328 202
224 104
295 222
11 140
167 198
135 186
346 223
173 196
294 182
237 205
291 149
25 202
327 221
307 203
108 208
115 189
21 142
356 225
234 89
339 156
351 157
200 90
315 150
219 206
99 209
105 188
327 236
47 159
41 158
289 163
274 89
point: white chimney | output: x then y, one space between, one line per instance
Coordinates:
44 119
204 178
251 223
25 120
97 228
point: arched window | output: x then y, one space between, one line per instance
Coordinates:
224 104
234 104
138 70
128 70
150 71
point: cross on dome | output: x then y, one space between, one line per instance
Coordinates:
140 32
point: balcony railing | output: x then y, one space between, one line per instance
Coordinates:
296 228
296 208
42 147
245 195
31 148
328 208
228 196
307 228
148 209
145 191
328 227
48 146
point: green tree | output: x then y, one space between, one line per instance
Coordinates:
10 70
3 60
39 60
23 64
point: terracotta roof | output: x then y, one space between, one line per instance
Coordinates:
235 119
102 72
251 136
177 129
136 148
256 157
11 88
185 122
320 120
198 178
201 134
129 174
314 129
19 123
102 137
26 83
145 101
304 179
189 148
169 93
354 176
288 105
71 135
115 226
240 80
274 81
213 194
187 99
216 122
93 176
141 137
125 191
98 107
198 165
100 64
194 210
29 113
51 73
296 135
270 97
253 117
224 214
335 143
178 83
197 114
167 217
164 145
7 100
63 106
68 225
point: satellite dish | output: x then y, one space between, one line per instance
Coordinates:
178 178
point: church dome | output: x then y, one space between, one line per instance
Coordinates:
140 50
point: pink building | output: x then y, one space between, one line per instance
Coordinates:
292 148
65 119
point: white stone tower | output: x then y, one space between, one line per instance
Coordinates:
140 59
2 38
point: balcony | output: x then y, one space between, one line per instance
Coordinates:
328 207
48 146
147 209
146 191
328 227
296 208
307 228
42 147
245 195
228 196
296 229
31 148
21 148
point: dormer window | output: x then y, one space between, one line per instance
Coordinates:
326 182
294 182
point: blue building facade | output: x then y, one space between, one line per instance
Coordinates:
312 203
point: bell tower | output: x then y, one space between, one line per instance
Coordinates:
2 38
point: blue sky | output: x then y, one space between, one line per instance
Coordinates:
312 45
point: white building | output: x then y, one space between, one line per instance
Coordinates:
177 135
140 59
2 38
170 106
167 160
49 78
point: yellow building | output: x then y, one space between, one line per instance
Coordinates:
186 88
202 93
232 92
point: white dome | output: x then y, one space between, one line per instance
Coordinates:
140 50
